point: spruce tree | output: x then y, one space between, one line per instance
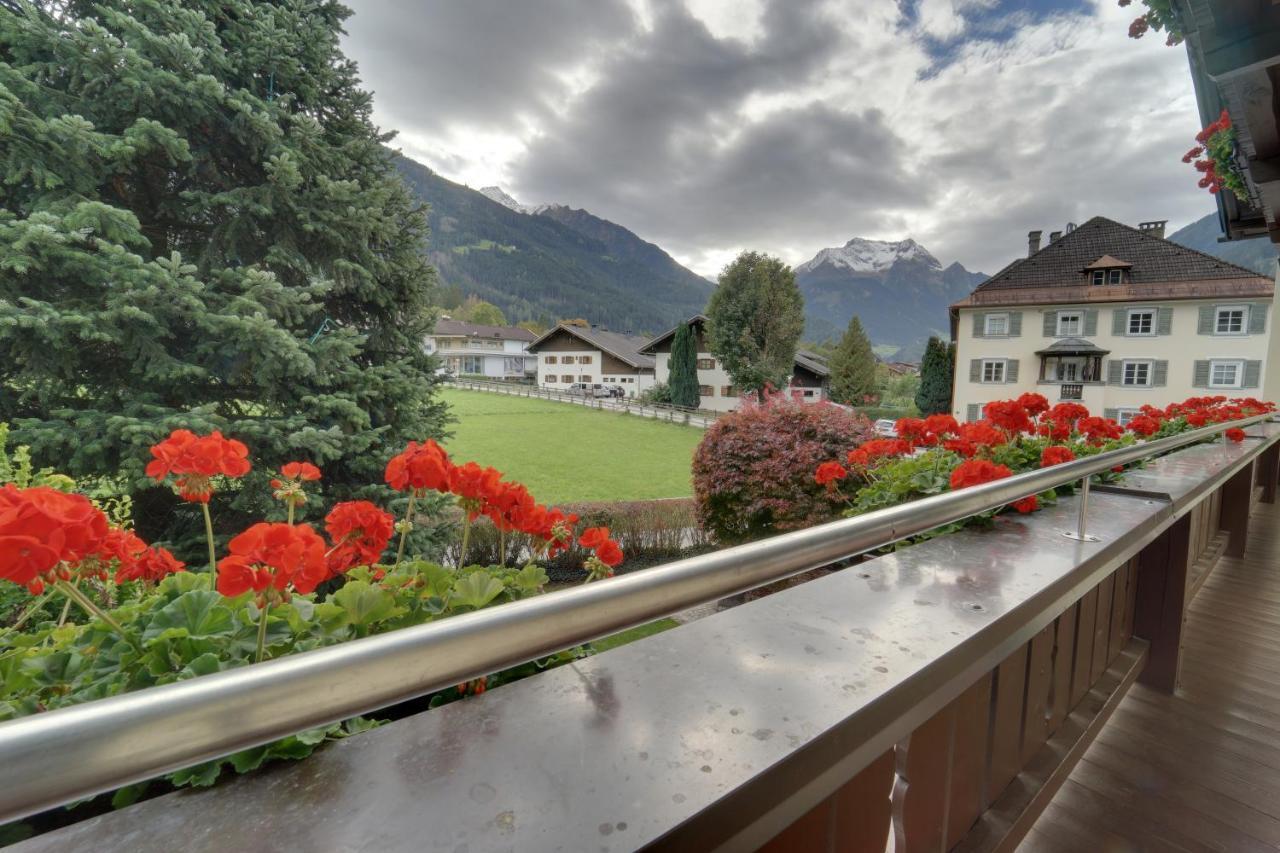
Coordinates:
201 228
755 317
934 396
683 378
853 366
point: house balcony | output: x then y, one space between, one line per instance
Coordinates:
999 688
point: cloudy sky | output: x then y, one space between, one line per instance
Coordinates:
710 126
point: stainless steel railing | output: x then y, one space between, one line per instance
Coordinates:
71 753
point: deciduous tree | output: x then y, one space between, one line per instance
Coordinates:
755 317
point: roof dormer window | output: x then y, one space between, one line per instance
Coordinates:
1107 270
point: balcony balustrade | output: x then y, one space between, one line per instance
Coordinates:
938 697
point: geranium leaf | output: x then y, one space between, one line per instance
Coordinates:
365 604
203 665
200 776
476 590
198 613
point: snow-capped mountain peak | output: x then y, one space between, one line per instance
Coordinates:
498 194
862 255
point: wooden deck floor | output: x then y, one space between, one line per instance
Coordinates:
1199 770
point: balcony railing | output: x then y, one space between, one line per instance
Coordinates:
791 715
1071 392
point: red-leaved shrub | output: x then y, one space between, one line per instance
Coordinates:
753 472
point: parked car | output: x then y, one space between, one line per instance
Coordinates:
588 389
886 427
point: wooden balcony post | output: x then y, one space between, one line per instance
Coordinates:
1161 602
1269 472
1236 494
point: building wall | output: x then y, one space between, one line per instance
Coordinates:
1180 345
713 380
587 365
494 357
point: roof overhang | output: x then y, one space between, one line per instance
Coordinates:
1073 346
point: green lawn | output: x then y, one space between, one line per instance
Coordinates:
566 453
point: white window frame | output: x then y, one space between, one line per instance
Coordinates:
1237 363
1219 310
986 326
1123 416
1078 316
1115 276
1136 363
998 366
1128 322
1099 277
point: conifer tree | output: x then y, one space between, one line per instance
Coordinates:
755 318
683 378
201 228
934 396
853 366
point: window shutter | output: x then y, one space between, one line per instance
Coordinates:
1113 414
1164 321
1050 323
1015 324
1119 322
975 370
971 412
1257 318
1115 372
1252 373
1010 370
978 319
1200 376
1159 373
1205 325
1090 322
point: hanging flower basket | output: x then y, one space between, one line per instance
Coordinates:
1215 158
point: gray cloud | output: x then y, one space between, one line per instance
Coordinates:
815 130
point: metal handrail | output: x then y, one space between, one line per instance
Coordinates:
75 752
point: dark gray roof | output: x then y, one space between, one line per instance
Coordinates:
812 362
476 330
1073 346
696 319
1154 259
624 347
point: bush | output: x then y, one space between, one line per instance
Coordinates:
753 472
660 393
650 532
875 413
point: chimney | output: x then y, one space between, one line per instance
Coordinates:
1033 242
1054 235
1155 228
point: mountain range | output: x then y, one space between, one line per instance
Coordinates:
1257 254
551 261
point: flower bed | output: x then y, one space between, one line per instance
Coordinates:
937 454
150 620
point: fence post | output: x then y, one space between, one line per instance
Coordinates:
1236 494
1160 601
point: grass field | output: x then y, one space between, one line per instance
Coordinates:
567 453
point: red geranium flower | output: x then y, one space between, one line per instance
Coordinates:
975 472
829 472
1009 415
940 425
1033 404
1235 434
196 459
299 471
420 467
151 566
1099 430
273 556
609 553
1143 425
594 537
41 527
1027 504
1055 454
879 448
360 532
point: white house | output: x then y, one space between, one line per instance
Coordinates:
809 382
570 353
471 349
1114 317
